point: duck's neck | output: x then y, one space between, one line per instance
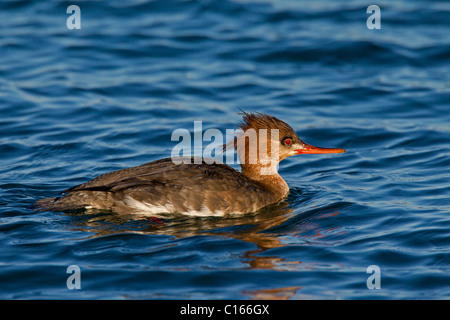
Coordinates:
268 177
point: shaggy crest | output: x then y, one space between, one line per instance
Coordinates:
257 121
263 121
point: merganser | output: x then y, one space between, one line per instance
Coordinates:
195 187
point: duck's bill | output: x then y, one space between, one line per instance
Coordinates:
309 149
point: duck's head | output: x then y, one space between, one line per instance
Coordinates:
267 135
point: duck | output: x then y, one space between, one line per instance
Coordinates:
198 186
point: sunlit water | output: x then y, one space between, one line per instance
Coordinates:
78 103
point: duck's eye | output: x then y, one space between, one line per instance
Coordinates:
287 141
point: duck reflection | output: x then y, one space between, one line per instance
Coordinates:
267 229
284 293
250 227
273 227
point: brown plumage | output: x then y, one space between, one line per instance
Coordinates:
162 186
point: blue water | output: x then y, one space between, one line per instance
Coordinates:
78 103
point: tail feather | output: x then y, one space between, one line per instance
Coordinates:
54 204
86 198
44 204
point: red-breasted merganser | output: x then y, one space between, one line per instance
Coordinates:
197 187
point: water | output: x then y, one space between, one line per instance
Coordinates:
78 103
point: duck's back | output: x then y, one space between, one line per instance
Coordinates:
165 187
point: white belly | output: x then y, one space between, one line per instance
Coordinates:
143 207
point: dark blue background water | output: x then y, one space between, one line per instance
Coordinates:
78 103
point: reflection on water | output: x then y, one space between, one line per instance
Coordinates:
272 227
284 293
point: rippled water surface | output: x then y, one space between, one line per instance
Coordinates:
78 103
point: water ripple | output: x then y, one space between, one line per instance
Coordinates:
79 103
